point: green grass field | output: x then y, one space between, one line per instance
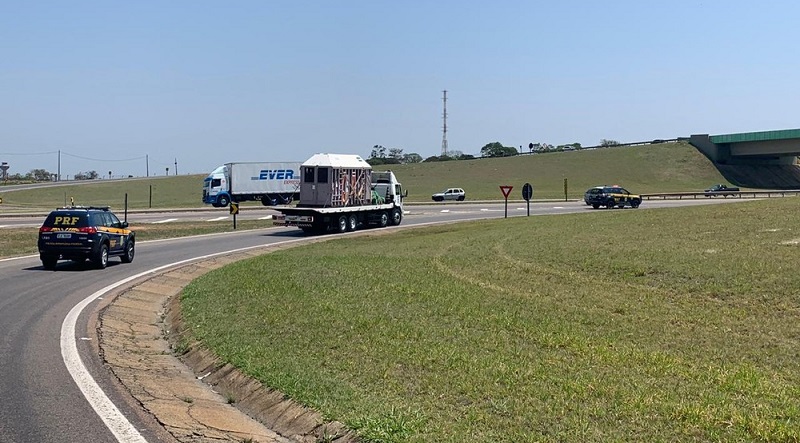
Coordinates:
22 241
657 325
667 167
184 191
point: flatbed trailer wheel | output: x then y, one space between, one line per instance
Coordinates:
342 224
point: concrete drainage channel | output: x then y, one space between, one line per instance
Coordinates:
195 397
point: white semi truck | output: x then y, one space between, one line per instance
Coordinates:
271 183
342 193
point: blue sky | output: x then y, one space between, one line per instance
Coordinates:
208 82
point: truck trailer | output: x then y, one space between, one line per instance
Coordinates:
271 183
341 193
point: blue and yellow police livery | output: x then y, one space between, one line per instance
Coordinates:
610 197
80 233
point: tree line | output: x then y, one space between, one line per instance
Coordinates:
43 175
395 156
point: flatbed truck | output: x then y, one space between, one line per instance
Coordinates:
341 193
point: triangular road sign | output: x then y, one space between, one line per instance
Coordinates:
506 190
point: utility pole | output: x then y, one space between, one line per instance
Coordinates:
147 161
58 178
176 166
444 127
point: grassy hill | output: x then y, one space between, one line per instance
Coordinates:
666 167
669 167
184 191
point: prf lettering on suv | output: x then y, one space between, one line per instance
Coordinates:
79 233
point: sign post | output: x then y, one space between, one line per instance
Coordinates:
565 189
234 211
527 194
506 190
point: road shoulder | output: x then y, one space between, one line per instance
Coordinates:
195 396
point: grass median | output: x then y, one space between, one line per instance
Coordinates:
22 241
623 325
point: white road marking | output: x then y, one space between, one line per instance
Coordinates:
269 217
165 221
217 219
22 225
558 207
116 422
445 210
484 210
122 429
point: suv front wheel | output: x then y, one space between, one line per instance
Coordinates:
130 250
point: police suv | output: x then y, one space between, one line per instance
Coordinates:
79 233
610 197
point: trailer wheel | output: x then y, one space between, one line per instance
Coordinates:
352 223
383 221
342 227
397 216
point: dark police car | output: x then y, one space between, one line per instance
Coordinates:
77 233
610 197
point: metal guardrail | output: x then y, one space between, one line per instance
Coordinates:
722 194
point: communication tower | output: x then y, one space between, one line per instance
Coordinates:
444 126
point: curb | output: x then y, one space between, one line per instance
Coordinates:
196 396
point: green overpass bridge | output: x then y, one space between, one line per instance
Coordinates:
766 160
